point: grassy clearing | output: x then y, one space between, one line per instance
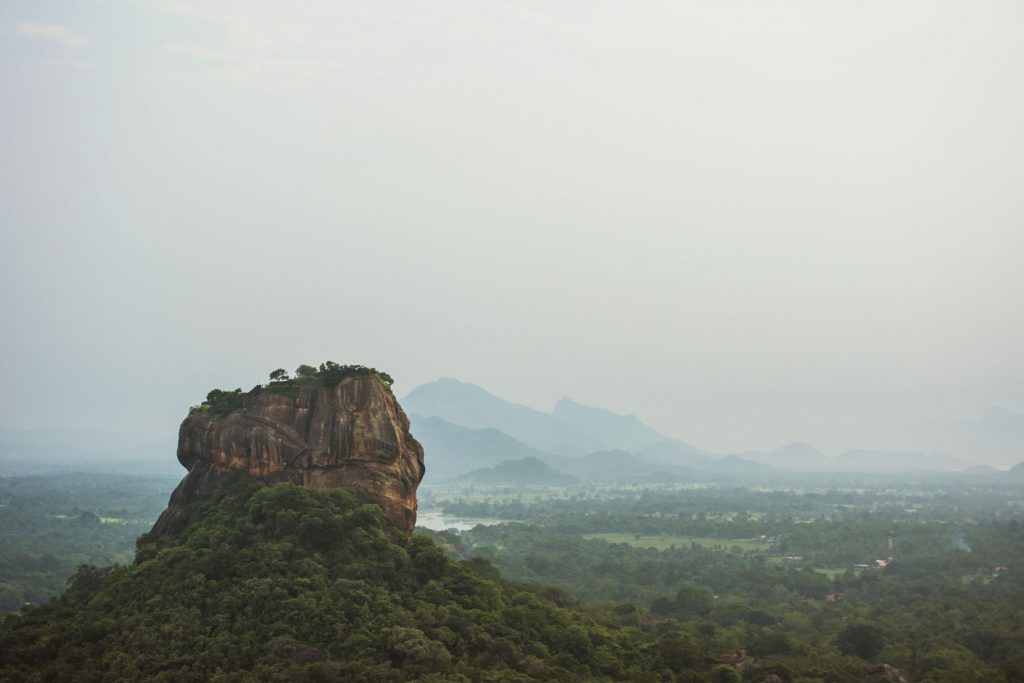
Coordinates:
831 572
664 542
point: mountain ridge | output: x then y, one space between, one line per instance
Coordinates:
570 429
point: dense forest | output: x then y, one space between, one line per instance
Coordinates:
52 524
282 584
699 583
922 577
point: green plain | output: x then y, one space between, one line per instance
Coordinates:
664 542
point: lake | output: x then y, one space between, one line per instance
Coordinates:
437 520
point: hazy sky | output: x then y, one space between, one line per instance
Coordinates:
746 222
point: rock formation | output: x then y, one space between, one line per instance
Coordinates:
885 672
353 434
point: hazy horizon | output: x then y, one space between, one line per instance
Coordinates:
747 224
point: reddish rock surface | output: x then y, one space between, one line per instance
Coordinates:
353 435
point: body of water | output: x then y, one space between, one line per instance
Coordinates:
437 520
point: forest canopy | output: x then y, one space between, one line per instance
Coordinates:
283 584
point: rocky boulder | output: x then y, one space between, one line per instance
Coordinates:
885 672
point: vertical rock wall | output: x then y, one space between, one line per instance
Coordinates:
354 435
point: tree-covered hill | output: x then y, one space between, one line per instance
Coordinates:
524 472
283 584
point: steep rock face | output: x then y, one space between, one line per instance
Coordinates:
353 434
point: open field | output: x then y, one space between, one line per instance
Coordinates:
662 542
832 572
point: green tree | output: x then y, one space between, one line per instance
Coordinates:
694 601
860 640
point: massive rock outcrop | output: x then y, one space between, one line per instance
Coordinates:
353 434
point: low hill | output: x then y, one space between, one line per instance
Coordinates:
981 471
452 450
281 583
524 472
610 466
797 456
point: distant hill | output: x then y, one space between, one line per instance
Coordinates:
1016 472
450 450
572 429
565 438
795 456
863 460
981 471
524 472
610 466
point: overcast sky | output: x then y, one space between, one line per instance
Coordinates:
746 222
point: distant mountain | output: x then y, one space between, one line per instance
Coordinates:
572 429
795 456
617 432
450 450
610 466
675 454
863 460
524 472
1016 472
981 471
468 405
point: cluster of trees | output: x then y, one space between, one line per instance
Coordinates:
218 403
221 402
328 374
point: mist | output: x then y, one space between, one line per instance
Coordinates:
747 224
